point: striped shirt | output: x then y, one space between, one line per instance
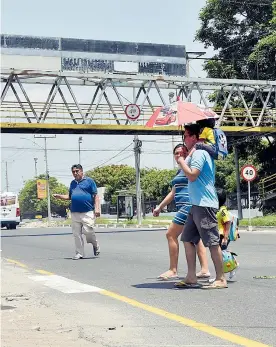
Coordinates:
180 183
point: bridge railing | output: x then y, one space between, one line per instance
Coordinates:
58 113
267 187
50 98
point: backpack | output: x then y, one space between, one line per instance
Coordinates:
221 143
229 261
234 228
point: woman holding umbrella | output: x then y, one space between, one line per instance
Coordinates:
179 194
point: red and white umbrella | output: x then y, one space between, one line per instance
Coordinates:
179 113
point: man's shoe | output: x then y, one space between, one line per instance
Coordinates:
77 257
96 250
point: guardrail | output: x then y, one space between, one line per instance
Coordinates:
267 187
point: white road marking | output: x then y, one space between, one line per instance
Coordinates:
65 285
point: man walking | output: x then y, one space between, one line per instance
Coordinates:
85 206
201 222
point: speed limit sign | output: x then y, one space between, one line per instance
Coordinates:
249 173
132 111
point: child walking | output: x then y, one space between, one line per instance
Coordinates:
225 222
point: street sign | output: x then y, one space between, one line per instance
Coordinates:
41 186
132 111
249 173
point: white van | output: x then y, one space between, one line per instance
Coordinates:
10 211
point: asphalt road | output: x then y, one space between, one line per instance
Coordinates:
129 264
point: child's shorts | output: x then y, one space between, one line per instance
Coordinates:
182 214
210 148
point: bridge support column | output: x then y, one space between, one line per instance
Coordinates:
237 169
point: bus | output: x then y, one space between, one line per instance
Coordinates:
10 211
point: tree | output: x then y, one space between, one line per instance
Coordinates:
244 35
226 174
263 55
156 184
241 32
114 178
30 203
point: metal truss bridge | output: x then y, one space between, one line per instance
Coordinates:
56 102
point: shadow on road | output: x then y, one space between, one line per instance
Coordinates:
85 258
155 285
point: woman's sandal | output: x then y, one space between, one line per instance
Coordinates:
164 277
201 274
214 285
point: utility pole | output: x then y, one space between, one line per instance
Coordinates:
80 141
35 161
47 175
137 152
189 98
7 179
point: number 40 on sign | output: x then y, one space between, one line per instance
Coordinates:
249 173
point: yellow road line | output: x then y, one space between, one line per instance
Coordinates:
43 272
17 263
222 334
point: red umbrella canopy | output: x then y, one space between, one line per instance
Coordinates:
179 113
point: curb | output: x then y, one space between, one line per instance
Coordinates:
104 226
150 227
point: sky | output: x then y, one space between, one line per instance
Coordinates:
156 21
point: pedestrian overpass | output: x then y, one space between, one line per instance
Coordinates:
37 101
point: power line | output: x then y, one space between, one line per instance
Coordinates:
124 158
116 155
57 149
68 175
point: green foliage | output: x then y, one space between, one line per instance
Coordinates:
156 184
244 36
269 220
258 152
30 203
265 50
225 174
114 178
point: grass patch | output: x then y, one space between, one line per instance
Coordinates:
112 221
146 221
269 220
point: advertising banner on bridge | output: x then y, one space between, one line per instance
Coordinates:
41 186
